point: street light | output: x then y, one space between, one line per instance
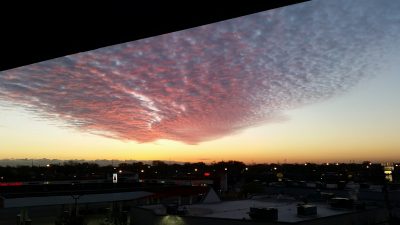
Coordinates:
76 197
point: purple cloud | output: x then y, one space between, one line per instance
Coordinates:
207 82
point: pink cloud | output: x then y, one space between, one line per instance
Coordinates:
207 82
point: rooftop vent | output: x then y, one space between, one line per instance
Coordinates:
263 214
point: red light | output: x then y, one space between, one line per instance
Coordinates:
206 174
10 184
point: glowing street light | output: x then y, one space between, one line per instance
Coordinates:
226 169
195 170
246 168
142 171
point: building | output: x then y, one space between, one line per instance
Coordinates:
237 213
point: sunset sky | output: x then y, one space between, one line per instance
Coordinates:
317 81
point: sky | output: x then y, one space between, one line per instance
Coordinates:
313 82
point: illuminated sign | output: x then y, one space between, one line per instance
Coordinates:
10 184
115 178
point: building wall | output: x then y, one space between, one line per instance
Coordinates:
368 217
148 217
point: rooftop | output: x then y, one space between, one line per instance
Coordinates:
287 209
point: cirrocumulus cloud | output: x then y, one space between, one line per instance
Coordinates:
210 81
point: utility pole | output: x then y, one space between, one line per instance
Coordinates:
76 197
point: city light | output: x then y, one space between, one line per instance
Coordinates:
226 169
48 165
142 171
246 168
11 184
120 171
195 170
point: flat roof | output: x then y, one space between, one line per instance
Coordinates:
69 199
287 210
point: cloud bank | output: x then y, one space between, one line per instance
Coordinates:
207 82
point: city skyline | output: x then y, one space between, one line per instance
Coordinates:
312 82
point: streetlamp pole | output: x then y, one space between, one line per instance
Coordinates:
76 197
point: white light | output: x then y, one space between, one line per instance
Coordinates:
226 169
142 171
120 171
48 165
195 170
275 168
247 168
